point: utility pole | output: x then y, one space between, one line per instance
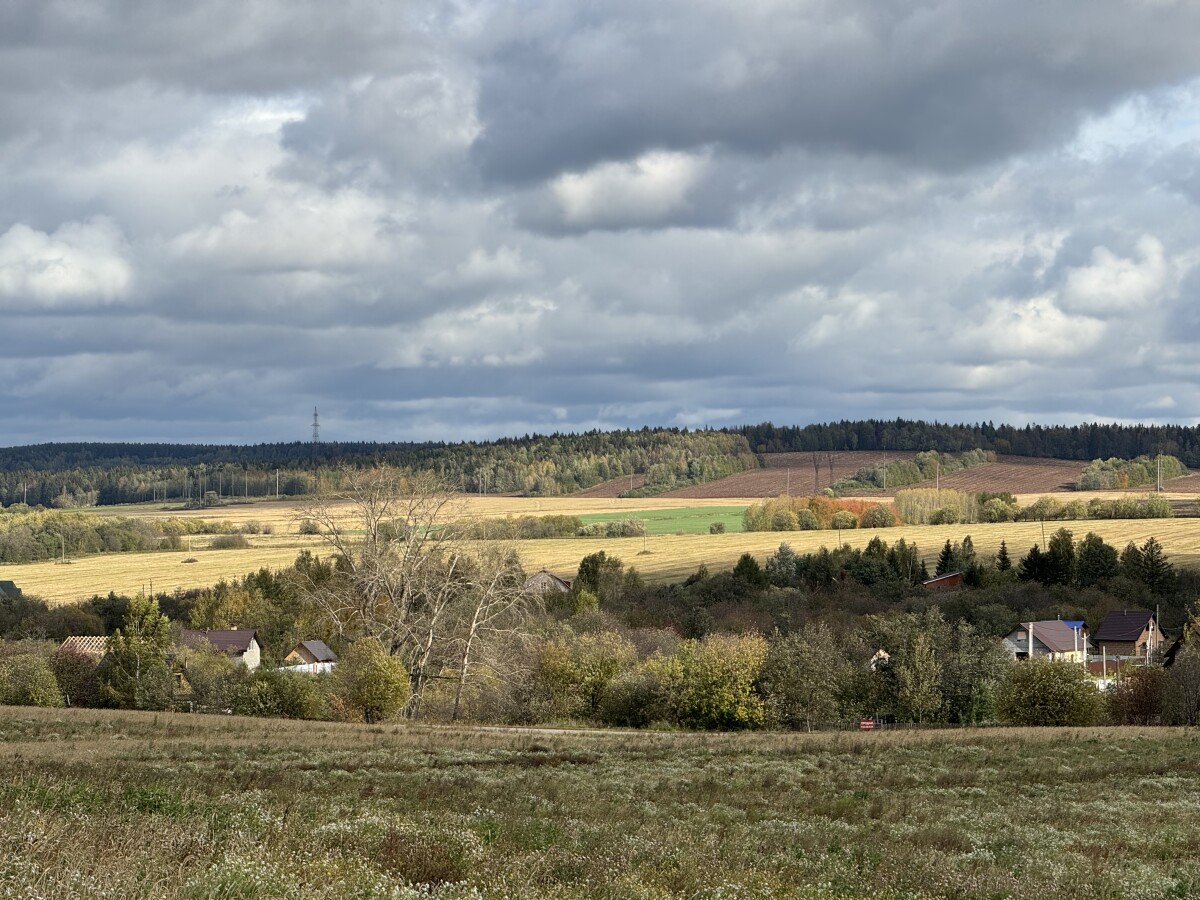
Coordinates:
276 484
316 438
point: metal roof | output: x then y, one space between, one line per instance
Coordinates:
231 641
1057 635
1123 625
319 650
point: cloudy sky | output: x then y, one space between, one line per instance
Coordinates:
470 218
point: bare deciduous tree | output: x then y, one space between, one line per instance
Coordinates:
404 573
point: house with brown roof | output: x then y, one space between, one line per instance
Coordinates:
1049 639
310 656
239 644
1128 632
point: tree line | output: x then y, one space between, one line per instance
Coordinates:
534 465
1087 441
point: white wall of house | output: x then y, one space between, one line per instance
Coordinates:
252 658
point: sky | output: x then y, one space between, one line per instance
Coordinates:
465 219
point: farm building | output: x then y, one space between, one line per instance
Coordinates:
93 645
1128 633
9 589
943 582
240 644
314 656
1048 639
544 582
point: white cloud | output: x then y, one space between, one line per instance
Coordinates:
646 190
1112 284
297 230
82 263
1037 330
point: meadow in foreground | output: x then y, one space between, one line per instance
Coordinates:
111 804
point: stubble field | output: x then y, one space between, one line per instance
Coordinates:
659 557
106 804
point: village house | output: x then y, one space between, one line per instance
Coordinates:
311 656
10 590
544 582
1049 639
1130 632
239 644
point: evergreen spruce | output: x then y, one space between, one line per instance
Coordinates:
1003 563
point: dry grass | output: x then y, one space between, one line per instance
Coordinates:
125 804
659 558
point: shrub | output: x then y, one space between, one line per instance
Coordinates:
75 675
806 520
877 517
1045 692
843 519
213 678
27 680
308 526
711 683
996 510
716 528
1137 699
229 542
370 683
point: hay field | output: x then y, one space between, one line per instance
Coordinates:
661 558
658 557
124 804
130 573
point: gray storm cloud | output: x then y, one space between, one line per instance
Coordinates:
472 219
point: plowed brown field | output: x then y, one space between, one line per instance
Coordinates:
1016 474
794 473
775 480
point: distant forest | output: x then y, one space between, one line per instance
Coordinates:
536 465
78 474
1083 442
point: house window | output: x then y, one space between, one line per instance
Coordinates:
1022 635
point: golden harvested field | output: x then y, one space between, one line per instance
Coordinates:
129 573
672 557
659 558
